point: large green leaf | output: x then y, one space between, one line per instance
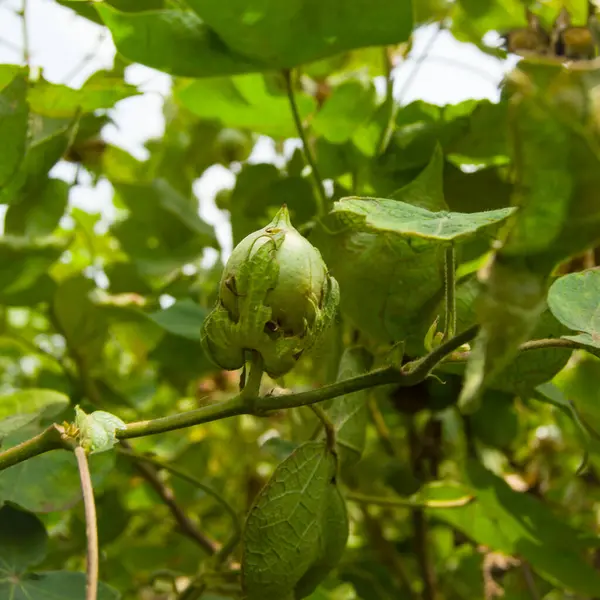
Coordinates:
349 413
349 106
396 217
23 261
427 189
23 544
23 541
379 248
374 272
39 212
163 230
27 406
297 528
285 35
518 524
260 190
79 320
51 585
554 148
48 482
101 91
32 175
246 101
184 318
580 384
14 114
236 38
575 301
175 42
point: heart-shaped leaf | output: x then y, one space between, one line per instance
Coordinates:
409 221
574 300
297 528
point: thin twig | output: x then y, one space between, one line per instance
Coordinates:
450 292
397 502
381 427
388 554
388 104
422 544
87 58
419 62
25 33
91 526
530 581
308 155
533 345
186 525
227 548
327 425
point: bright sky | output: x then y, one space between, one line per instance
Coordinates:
69 49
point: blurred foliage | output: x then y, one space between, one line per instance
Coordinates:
104 308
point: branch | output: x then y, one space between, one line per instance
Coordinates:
91 526
308 155
227 548
25 33
50 439
388 553
186 525
411 374
388 104
450 292
536 345
397 502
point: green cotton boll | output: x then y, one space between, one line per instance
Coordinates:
275 297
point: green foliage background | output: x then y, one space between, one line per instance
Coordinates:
510 190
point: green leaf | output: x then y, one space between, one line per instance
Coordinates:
374 272
427 189
518 524
580 385
32 175
248 101
51 585
287 35
471 20
574 300
349 413
48 482
528 369
97 431
14 115
175 42
163 230
23 261
23 541
38 213
101 91
351 104
297 528
406 220
184 318
27 406
260 190
81 322
557 175
496 423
